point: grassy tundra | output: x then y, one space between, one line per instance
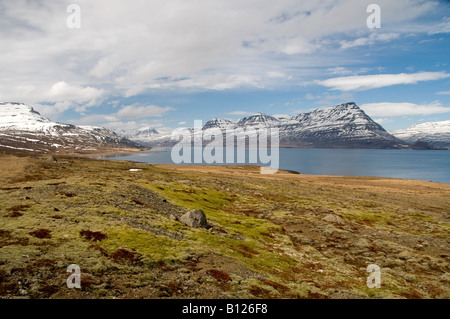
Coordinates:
270 236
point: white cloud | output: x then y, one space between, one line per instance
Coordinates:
443 27
443 93
387 109
276 74
240 113
126 48
135 111
367 82
330 99
130 112
309 96
373 38
62 91
381 120
339 70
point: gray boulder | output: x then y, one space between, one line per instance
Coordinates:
333 219
194 218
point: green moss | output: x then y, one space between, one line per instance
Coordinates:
369 217
152 247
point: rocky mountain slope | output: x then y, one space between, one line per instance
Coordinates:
436 134
148 136
22 129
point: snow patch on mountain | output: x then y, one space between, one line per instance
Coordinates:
434 133
21 125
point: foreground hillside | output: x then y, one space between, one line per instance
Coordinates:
270 236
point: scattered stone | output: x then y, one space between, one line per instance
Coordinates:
333 219
173 217
194 218
52 159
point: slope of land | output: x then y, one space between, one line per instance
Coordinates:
271 236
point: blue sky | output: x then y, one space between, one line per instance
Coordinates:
135 64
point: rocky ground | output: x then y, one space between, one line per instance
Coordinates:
268 236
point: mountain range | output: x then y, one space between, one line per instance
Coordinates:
22 129
341 126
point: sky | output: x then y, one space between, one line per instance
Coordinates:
132 64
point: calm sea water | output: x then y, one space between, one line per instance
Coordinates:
411 164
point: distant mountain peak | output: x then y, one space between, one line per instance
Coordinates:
436 134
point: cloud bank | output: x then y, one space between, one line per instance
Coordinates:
367 82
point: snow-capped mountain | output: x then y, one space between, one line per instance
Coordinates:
342 126
147 136
220 123
24 129
258 120
436 134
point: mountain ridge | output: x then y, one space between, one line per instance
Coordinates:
340 126
22 129
436 134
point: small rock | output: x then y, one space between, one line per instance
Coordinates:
173 217
52 159
333 219
194 218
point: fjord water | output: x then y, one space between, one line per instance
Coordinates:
424 165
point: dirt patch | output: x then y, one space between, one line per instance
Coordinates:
5 233
260 292
246 251
100 249
67 194
14 214
123 256
18 208
93 235
280 287
41 233
219 275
